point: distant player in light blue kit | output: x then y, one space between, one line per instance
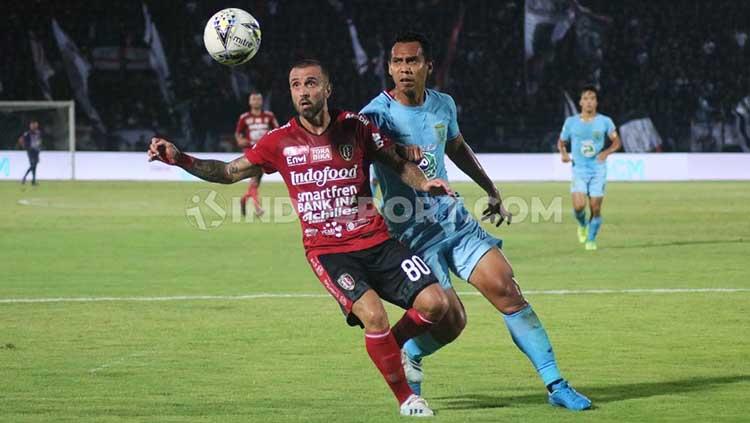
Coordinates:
586 132
424 124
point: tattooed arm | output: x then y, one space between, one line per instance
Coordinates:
208 170
410 173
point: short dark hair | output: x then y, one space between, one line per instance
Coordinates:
414 36
590 87
255 92
303 63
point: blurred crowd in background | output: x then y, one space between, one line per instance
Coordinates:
683 64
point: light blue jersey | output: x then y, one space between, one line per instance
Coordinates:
450 239
440 229
429 126
586 142
586 138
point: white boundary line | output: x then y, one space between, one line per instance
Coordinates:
303 295
119 360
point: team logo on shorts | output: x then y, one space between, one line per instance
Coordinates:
346 281
346 151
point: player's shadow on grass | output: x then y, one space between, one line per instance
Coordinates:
680 243
598 394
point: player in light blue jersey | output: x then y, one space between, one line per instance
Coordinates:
586 132
424 124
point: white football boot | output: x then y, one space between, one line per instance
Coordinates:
416 406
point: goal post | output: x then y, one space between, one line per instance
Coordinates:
57 119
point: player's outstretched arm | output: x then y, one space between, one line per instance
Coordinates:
411 153
208 170
463 156
411 174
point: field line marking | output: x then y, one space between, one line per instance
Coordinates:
304 295
119 360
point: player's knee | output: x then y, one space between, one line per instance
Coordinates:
374 320
433 303
506 288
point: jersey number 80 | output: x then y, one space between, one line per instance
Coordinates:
415 268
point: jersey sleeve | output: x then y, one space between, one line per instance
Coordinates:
610 126
372 112
453 130
565 133
263 154
241 127
372 139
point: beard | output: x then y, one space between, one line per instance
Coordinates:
311 111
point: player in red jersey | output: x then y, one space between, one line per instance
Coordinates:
251 126
324 158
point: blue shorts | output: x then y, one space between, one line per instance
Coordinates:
456 248
591 181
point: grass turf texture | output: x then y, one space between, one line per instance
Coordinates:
640 357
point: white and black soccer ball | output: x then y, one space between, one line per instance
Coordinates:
232 36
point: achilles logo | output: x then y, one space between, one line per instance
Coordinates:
320 177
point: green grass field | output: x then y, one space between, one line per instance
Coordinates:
640 356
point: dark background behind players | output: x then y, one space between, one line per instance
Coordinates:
651 66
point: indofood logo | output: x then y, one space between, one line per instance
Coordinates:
320 177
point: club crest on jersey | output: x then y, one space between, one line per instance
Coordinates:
441 132
223 24
346 151
346 281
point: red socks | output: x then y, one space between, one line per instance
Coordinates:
386 354
385 350
411 324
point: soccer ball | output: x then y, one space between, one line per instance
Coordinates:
232 36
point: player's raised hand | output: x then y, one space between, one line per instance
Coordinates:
496 211
437 187
411 153
163 151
